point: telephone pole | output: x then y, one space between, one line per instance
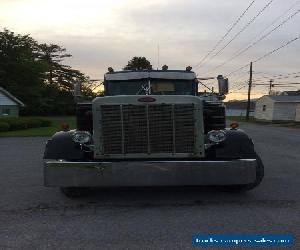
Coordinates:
249 93
271 85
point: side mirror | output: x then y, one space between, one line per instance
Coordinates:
77 90
223 85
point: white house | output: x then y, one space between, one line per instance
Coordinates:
293 93
277 108
9 105
297 119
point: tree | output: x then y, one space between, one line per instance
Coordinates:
57 73
138 63
20 70
35 74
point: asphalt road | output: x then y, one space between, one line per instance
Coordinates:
35 217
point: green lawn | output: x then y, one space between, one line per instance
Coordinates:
71 120
45 131
252 119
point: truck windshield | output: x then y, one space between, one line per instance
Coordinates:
158 87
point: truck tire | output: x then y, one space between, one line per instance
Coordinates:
247 187
73 192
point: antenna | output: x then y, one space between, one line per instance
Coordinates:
158 63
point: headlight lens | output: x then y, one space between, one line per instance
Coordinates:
216 136
82 137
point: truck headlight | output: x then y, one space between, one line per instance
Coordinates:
216 136
81 137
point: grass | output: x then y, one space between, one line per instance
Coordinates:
71 120
252 119
45 131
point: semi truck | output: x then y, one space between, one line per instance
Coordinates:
152 128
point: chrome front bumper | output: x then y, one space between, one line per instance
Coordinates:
148 173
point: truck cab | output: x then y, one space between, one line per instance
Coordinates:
156 82
152 128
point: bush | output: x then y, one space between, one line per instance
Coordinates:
33 123
14 123
17 125
24 123
45 123
4 126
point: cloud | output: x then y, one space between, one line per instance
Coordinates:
108 33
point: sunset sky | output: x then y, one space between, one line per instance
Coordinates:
102 33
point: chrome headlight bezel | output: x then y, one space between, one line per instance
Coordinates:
216 136
82 137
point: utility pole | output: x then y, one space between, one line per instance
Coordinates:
249 93
270 86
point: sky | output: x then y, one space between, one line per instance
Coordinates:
100 34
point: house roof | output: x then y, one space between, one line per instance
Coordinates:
11 97
291 93
284 98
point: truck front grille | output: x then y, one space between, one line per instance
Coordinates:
147 129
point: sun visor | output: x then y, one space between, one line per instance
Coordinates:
132 75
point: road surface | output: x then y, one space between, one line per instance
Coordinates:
35 217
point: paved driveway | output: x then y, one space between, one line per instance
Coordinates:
35 217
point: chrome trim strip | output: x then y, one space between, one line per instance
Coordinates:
149 173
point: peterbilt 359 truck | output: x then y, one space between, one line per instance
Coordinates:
152 128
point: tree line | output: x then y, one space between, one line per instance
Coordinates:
35 73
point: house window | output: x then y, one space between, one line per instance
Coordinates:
5 111
264 107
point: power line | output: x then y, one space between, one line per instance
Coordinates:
242 30
294 73
240 52
275 50
238 78
224 36
280 76
235 90
276 19
240 86
277 78
233 72
266 55
284 83
261 73
287 86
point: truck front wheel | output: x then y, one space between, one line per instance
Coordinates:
247 187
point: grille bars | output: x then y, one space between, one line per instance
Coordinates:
174 131
156 130
122 129
148 130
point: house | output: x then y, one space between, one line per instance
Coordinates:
282 108
293 93
239 108
9 105
297 117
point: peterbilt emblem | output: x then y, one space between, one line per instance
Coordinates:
147 99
